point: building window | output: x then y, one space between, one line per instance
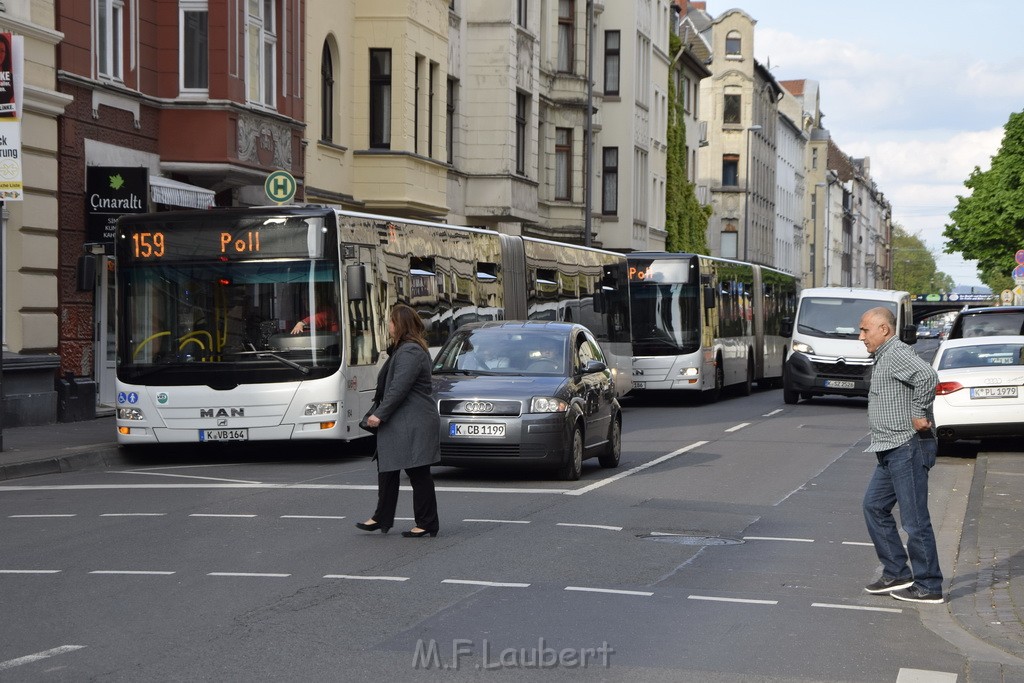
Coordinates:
611 62
110 38
566 33
730 242
430 108
416 106
380 99
522 112
686 93
733 44
194 46
326 94
262 51
563 163
814 157
610 181
450 110
521 12
640 175
731 109
731 169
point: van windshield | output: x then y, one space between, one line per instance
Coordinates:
836 318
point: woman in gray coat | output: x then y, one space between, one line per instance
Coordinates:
406 419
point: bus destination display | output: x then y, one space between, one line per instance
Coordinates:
175 242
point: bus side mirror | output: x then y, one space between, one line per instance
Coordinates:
709 297
355 282
909 335
786 328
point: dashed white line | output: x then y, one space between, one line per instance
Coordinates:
857 607
492 584
354 577
28 659
30 571
134 514
591 526
920 675
622 475
257 575
869 545
747 601
312 517
738 427
778 538
615 591
37 516
207 514
188 476
499 521
774 412
131 572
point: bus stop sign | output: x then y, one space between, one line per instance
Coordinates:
280 187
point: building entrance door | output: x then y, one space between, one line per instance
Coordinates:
106 333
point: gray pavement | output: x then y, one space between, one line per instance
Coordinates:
984 572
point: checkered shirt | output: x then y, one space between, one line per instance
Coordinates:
902 388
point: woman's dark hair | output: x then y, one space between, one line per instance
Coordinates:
408 326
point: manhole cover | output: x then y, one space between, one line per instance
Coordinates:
683 539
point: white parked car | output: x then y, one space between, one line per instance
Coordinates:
981 388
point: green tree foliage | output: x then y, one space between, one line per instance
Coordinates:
686 219
913 266
988 225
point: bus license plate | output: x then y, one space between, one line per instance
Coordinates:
223 434
839 384
994 392
475 429
639 385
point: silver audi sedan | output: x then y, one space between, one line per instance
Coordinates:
533 394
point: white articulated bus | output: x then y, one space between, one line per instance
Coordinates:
701 323
270 323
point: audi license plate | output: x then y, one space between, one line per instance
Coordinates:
475 429
994 392
839 384
223 434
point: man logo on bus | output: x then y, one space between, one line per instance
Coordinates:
222 412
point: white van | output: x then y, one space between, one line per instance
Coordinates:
826 355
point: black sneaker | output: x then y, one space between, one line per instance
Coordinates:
918 594
884 585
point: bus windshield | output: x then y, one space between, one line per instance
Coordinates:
836 318
224 323
666 319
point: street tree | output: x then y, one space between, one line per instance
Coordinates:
913 265
988 224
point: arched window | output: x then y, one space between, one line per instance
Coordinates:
733 43
326 94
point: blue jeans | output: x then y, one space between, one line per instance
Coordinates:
902 477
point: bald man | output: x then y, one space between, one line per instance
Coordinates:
900 414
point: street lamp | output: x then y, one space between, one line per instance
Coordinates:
746 192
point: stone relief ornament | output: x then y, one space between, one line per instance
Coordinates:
264 142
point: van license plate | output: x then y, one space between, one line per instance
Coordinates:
223 434
839 384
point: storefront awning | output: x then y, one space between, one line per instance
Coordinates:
175 193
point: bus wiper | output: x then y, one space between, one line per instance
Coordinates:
267 354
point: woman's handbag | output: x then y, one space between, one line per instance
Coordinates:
362 422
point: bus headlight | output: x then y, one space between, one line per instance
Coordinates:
546 404
689 372
800 347
327 408
130 414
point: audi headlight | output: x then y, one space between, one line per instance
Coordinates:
546 404
130 414
800 347
326 408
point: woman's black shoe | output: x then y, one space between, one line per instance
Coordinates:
372 527
419 534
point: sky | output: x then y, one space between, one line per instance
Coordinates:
921 88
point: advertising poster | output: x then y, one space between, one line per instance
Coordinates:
11 88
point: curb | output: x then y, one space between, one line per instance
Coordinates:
90 457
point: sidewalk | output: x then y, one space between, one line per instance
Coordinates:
986 593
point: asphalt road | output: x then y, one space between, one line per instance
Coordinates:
728 546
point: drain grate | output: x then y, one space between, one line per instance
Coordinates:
684 539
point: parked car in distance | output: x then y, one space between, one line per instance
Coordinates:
980 393
531 394
927 332
987 321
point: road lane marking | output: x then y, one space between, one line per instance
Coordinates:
778 538
500 521
131 572
28 659
258 575
774 412
37 516
622 475
492 584
746 601
187 476
615 591
366 578
591 526
738 427
312 517
210 514
297 487
920 675
869 545
134 514
857 607
30 571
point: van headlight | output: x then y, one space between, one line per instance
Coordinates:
546 404
800 347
